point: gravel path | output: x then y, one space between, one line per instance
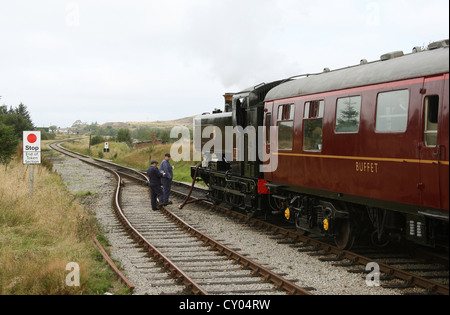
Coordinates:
309 271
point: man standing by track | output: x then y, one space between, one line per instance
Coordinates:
166 179
155 175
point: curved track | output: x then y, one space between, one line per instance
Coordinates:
188 256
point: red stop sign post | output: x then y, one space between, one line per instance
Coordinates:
31 153
32 147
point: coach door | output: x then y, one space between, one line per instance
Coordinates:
430 145
267 137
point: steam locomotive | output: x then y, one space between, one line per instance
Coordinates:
354 152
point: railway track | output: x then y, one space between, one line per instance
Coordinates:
197 262
397 270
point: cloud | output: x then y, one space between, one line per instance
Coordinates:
136 60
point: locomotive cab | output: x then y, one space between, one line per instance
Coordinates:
231 166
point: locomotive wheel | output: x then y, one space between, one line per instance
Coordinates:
376 241
346 237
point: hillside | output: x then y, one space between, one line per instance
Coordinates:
168 124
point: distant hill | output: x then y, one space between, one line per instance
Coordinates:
168 124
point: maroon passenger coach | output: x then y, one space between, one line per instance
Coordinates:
364 149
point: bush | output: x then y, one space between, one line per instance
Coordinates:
124 135
47 135
97 139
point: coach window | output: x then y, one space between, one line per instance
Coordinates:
312 124
392 111
285 126
348 114
431 120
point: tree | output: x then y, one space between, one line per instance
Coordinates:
348 120
12 124
8 143
165 136
110 131
18 118
18 122
3 110
77 124
124 135
23 111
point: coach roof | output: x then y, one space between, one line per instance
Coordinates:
426 63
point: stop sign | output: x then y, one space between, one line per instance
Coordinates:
31 147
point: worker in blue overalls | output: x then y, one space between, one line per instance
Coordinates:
166 180
155 175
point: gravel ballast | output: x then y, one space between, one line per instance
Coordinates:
306 270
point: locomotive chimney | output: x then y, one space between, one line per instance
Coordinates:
228 101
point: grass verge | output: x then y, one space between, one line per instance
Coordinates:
40 236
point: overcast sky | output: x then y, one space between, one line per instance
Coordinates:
135 60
